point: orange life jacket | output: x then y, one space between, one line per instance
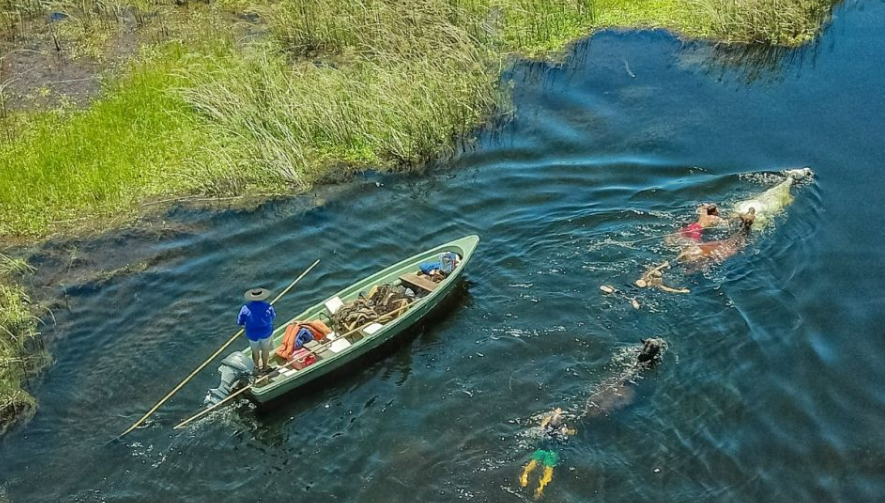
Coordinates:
316 327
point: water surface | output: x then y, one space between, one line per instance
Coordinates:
770 390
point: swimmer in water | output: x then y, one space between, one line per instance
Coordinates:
654 277
612 396
719 251
708 216
752 215
555 430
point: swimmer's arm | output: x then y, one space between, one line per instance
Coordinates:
673 290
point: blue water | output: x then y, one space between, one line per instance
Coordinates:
770 389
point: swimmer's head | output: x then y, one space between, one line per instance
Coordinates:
555 427
712 209
748 218
556 418
651 349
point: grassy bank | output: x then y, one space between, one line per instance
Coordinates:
70 166
332 86
323 95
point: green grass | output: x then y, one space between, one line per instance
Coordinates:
100 162
777 22
396 92
275 123
348 84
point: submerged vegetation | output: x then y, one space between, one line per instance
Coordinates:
21 348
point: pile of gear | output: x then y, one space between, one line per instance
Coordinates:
440 270
382 300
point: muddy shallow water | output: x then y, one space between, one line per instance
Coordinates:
769 390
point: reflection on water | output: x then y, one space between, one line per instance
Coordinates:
768 392
750 64
760 63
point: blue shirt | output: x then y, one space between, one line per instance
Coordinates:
257 316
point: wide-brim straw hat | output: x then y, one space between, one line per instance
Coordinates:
256 294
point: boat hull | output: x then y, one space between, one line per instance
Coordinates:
417 312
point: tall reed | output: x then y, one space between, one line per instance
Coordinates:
372 83
775 22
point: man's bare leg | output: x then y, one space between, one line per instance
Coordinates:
265 357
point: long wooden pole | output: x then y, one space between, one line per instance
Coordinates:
209 360
268 376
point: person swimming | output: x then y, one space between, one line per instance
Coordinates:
761 210
654 278
719 251
708 216
556 430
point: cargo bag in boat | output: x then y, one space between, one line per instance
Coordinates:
302 358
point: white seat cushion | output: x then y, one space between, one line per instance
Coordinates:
334 304
339 345
371 329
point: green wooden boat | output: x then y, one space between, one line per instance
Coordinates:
362 342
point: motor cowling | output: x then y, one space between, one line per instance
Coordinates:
236 370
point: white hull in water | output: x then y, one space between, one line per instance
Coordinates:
773 201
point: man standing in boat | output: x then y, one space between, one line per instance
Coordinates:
257 317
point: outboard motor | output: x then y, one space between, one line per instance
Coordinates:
235 369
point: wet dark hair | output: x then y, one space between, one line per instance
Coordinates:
747 220
651 348
712 209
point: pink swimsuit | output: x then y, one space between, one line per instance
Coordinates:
692 231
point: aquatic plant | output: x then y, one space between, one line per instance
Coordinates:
21 347
774 22
13 266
